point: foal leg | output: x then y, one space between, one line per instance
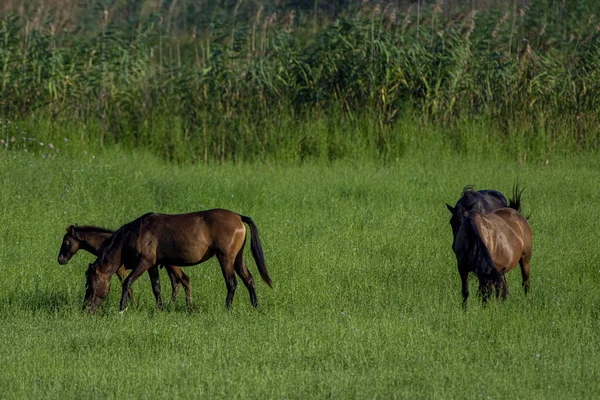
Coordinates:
139 269
242 270
177 275
187 286
122 274
155 280
174 282
227 269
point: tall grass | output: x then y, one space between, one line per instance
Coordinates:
228 83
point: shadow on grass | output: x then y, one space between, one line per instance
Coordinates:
50 301
41 300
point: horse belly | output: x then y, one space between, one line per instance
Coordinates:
182 254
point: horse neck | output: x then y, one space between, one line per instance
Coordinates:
92 241
111 260
111 254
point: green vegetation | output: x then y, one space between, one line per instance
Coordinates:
366 300
197 82
341 128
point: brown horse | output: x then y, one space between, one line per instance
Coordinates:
91 238
182 239
490 245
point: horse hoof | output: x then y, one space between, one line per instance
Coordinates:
122 311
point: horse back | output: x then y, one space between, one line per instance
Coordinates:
495 198
186 239
483 201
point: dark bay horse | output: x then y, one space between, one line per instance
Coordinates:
490 245
181 239
91 238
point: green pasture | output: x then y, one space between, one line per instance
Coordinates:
366 297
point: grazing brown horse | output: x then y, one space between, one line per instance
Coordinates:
181 239
91 238
490 245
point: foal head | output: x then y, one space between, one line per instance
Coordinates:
70 245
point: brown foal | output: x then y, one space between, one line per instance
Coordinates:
91 238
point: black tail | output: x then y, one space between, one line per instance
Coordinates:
515 202
257 251
479 259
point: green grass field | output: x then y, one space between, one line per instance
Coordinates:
366 300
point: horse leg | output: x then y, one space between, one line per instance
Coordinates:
242 270
139 269
497 287
122 274
501 287
524 264
227 268
187 286
176 274
174 282
485 290
155 281
464 278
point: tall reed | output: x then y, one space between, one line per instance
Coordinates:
224 87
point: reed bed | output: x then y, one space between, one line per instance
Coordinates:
251 81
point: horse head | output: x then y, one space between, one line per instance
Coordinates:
459 213
96 287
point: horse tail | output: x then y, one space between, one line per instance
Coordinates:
515 201
257 251
479 258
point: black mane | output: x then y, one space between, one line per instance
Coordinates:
468 189
468 198
93 229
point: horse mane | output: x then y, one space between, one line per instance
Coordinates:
90 229
478 257
117 237
467 190
90 269
467 199
109 244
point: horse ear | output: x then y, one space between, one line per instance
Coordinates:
72 231
450 208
